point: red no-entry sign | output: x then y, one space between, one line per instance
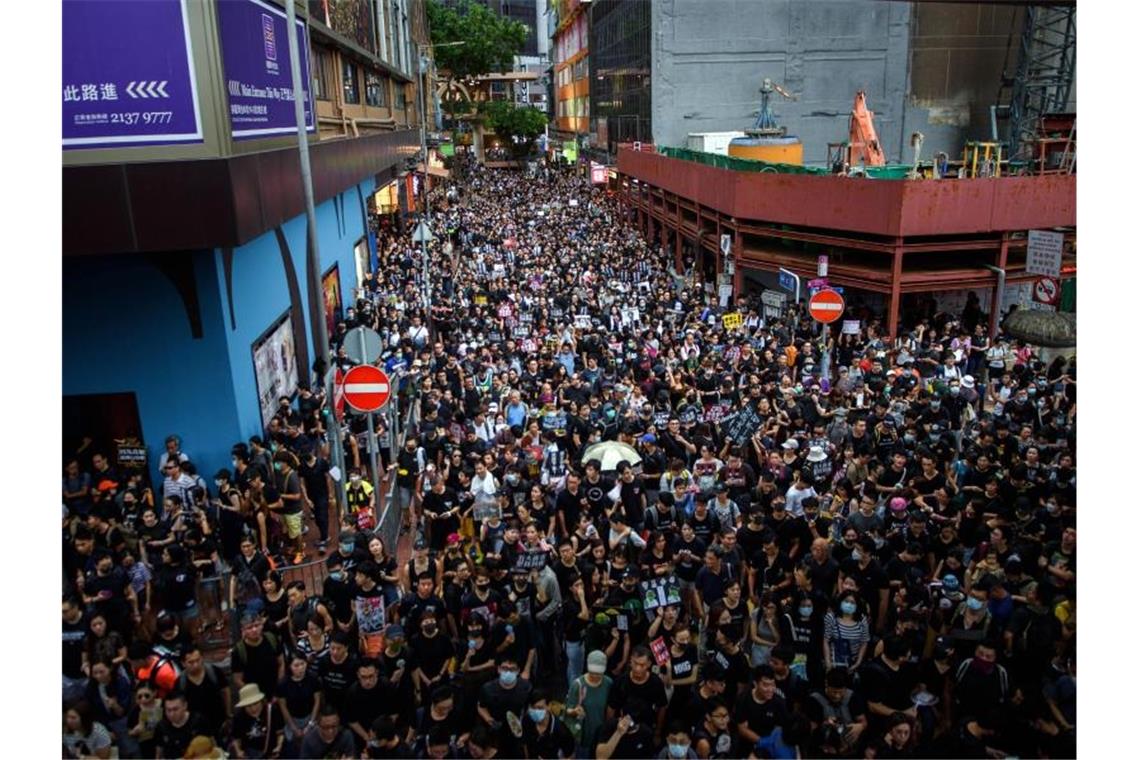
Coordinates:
367 388
826 306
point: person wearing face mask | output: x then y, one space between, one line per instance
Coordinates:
981 684
502 699
431 652
337 587
678 743
544 735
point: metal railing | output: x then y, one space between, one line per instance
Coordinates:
388 521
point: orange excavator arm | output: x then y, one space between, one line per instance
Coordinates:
864 142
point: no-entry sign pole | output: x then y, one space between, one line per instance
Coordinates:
825 307
367 389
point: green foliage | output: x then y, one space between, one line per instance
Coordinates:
508 120
490 42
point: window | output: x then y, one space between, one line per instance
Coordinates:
375 90
322 65
401 96
350 81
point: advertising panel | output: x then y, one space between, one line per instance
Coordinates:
256 65
128 74
275 366
330 288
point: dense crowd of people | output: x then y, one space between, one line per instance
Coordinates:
638 529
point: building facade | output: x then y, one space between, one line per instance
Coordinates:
185 269
620 43
571 70
934 68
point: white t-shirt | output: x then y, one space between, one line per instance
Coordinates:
795 499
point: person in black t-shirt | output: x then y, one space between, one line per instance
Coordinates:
889 682
314 472
257 657
368 699
205 689
640 685
760 711
627 736
336 669
544 735
178 727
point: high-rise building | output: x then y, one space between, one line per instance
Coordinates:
619 74
570 56
671 68
185 281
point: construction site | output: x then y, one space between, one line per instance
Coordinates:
761 208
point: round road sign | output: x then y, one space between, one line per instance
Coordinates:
826 306
1046 290
367 388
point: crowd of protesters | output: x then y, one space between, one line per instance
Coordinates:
883 566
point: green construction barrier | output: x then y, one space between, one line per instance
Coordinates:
733 163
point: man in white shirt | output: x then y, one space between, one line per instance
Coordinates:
484 487
797 492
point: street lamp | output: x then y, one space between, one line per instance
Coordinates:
422 233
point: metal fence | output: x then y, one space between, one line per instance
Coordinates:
388 522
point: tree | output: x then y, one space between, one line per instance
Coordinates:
521 125
490 42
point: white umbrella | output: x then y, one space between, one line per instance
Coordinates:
609 453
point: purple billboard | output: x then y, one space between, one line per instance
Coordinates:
256 63
128 74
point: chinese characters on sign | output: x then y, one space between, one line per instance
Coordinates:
128 76
1043 253
257 67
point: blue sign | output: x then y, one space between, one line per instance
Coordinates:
257 68
128 74
787 282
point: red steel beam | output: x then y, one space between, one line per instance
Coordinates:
889 208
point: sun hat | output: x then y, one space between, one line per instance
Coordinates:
250 694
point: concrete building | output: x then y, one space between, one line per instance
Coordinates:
185 281
571 72
926 66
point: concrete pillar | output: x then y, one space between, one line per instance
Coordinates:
738 265
677 262
995 293
896 289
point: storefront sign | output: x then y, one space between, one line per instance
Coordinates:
128 74
259 80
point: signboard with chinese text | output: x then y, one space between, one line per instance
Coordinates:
1043 253
256 65
128 75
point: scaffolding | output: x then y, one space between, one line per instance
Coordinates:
1046 67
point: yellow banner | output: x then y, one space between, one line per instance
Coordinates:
732 320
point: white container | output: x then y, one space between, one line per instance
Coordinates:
711 142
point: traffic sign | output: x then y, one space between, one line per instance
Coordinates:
1046 290
367 388
821 266
826 306
363 345
787 280
422 234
